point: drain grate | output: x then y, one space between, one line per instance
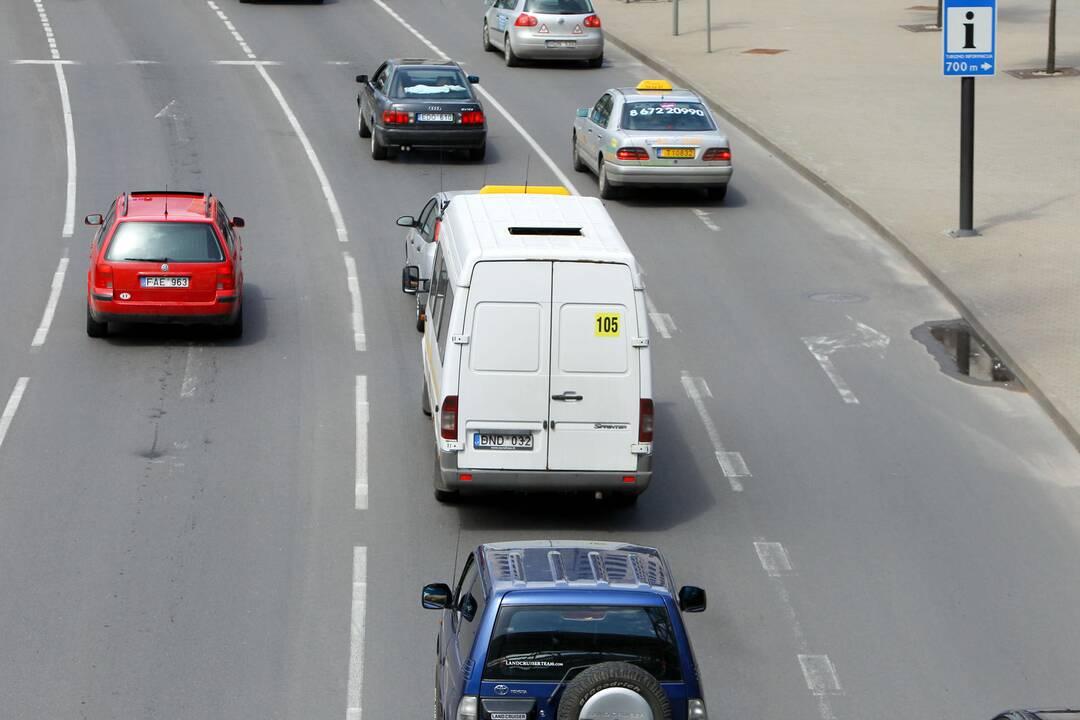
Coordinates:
962 354
764 51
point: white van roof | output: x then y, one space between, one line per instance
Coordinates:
518 226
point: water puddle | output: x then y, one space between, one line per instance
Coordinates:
962 354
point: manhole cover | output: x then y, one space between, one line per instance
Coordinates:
836 298
1041 74
921 28
764 51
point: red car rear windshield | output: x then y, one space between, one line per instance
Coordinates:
164 242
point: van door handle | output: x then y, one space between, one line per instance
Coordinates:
568 396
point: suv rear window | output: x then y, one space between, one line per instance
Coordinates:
544 642
666 115
165 242
559 7
443 83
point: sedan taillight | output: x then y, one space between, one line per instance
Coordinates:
525 20
593 21
472 117
632 153
396 117
715 154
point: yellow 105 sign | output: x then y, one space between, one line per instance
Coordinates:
607 324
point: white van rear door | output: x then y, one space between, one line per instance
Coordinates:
503 385
595 391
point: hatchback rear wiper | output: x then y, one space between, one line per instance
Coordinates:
154 259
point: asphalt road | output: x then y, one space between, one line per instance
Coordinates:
178 513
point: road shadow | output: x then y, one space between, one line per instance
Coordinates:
680 197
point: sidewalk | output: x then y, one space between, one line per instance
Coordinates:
860 103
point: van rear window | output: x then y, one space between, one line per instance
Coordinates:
165 242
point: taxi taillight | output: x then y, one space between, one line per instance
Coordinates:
715 154
632 153
525 20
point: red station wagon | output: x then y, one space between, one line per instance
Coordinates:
165 257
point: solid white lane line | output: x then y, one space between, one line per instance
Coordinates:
661 321
12 405
361 443
353 281
731 463
356 634
50 306
826 363
44 62
246 62
774 558
705 219
191 381
490 99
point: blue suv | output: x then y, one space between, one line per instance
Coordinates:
565 630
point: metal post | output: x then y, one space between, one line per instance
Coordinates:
963 352
939 4
1051 51
708 26
675 17
967 157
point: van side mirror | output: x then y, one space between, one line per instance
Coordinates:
473 79
583 112
237 222
93 219
691 599
406 221
435 596
361 79
410 279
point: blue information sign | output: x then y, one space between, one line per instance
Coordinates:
969 37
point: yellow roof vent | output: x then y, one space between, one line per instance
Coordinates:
654 85
524 189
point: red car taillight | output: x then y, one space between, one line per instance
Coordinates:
396 117
448 418
714 154
226 281
472 117
525 20
593 21
645 421
103 275
632 153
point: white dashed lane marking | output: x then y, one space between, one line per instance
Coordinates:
731 463
361 443
12 407
357 622
50 306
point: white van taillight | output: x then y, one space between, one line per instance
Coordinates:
696 710
448 418
466 709
645 421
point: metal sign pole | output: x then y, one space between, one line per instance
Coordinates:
708 26
675 17
967 157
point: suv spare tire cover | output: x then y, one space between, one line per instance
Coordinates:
614 691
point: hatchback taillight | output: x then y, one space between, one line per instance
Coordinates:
645 421
103 275
396 117
525 20
448 418
632 153
714 154
593 21
472 117
226 281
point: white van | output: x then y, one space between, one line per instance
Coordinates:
536 347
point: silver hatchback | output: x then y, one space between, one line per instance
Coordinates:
544 29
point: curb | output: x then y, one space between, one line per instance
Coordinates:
1071 432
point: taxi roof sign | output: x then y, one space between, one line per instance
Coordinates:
524 189
654 85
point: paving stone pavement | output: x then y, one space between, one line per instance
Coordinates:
859 104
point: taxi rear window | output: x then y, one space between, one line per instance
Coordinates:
164 242
666 115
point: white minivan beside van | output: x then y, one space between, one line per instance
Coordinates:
536 347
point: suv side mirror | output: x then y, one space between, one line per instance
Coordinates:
93 219
237 222
406 221
435 596
691 599
410 279
583 112
361 79
473 79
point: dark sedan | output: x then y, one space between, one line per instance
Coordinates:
1064 714
421 104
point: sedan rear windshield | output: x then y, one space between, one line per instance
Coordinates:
433 83
165 242
546 642
665 115
559 7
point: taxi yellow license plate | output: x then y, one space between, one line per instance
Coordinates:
676 152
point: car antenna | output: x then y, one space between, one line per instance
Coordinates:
527 158
166 201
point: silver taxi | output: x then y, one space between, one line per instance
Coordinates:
651 135
544 29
